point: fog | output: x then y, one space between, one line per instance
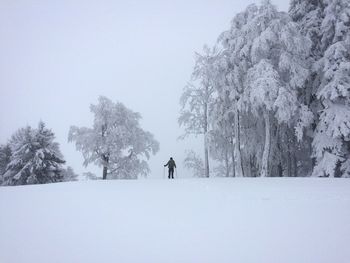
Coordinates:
57 57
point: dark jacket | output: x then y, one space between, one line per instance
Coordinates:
171 164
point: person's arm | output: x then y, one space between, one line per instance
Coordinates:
174 164
166 164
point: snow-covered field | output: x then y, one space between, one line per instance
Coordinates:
187 220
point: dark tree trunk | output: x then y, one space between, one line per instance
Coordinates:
105 159
104 175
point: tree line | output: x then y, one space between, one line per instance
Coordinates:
271 98
115 142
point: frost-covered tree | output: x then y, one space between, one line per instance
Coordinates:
195 163
308 14
278 71
5 157
332 135
197 98
221 136
227 114
232 71
90 176
281 85
267 54
115 142
252 139
220 143
68 175
35 158
327 23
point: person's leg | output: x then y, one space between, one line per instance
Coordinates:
169 172
172 173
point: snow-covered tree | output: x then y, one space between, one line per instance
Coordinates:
267 55
232 71
90 176
281 84
278 71
68 175
229 87
116 141
332 134
35 158
197 98
327 23
220 144
5 157
221 136
308 14
195 163
252 141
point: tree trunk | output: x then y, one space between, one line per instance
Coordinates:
206 158
233 159
294 165
311 161
289 164
227 164
105 159
238 170
104 175
266 152
250 167
206 151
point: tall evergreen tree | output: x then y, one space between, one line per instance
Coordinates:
332 135
5 158
35 158
327 23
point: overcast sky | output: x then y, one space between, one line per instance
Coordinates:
57 57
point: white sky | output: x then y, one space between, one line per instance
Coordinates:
57 57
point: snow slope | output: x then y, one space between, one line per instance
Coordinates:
261 220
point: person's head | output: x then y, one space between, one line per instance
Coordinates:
171 158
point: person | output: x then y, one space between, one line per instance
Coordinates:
171 165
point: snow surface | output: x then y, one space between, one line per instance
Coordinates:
187 220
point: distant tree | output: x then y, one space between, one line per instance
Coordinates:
221 138
68 175
197 97
90 176
115 142
35 158
220 149
195 163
